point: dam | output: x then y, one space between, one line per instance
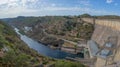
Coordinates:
106 30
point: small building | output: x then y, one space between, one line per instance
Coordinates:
104 53
26 29
109 45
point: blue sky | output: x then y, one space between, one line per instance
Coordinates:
14 8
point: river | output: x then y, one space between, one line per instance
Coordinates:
45 50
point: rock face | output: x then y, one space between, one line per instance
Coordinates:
56 28
49 29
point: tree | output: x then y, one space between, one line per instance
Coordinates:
85 15
75 46
68 64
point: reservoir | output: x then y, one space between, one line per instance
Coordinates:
45 50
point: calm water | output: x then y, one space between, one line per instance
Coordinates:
45 50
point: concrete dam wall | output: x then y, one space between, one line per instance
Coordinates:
112 23
105 28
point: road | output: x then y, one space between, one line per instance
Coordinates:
51 35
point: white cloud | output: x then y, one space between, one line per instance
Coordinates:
18 3
109 1
84 2
53 5
13 8
20 11
3 2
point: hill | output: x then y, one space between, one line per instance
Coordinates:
67 27
15 53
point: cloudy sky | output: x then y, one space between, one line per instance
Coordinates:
14 8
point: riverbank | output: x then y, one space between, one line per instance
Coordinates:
45 50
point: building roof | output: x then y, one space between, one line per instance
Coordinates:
109 45
104 53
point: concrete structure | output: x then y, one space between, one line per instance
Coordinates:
104 53
26 29
109 47
93 48
107 53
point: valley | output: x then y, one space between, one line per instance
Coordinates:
59 33
87 40
14 51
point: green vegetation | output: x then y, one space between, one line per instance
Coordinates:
15 52
108 17
22 32
68 27
85 16
85 31
16 59
75 46
63 63
18 54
